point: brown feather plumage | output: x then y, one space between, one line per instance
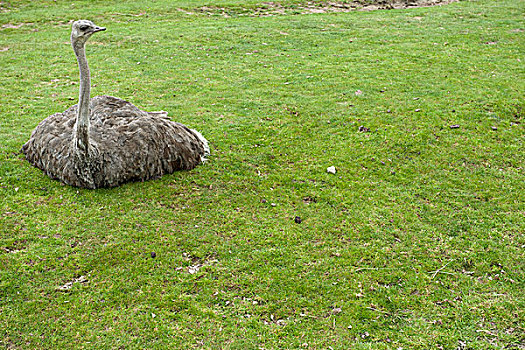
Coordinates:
127 145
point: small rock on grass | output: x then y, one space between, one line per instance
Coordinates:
194 269
331 170
153 255
455 126
298 220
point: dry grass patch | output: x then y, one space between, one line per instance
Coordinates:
276 8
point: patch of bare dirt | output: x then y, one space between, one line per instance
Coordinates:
14 26
276 8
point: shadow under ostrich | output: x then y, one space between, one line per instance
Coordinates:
106 141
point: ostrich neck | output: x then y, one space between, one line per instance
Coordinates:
82 125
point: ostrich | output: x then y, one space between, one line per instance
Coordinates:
106 141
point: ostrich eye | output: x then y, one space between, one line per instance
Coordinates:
84 27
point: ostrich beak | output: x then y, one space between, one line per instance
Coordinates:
99 29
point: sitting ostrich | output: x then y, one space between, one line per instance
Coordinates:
105 141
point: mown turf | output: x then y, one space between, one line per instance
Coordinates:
416 242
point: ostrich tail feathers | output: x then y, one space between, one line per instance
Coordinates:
204 144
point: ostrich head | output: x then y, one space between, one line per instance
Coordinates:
82 30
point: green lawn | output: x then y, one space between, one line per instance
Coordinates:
417 242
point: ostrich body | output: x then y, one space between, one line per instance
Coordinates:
106 141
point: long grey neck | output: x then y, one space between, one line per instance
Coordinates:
82 125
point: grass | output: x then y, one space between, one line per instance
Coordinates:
416 242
